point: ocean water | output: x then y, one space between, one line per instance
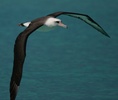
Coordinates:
77 63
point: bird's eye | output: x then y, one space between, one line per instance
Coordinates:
57 21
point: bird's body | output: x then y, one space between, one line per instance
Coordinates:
20 44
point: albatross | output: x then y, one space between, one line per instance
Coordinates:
49 21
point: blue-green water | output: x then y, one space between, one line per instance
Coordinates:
77 63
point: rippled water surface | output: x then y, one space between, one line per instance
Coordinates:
77 63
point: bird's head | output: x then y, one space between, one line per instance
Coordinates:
52 22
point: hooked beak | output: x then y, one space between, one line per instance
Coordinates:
62 25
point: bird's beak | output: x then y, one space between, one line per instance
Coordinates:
62 25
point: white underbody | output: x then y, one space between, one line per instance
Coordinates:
49 24
45 28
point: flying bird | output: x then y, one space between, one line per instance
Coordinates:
49 21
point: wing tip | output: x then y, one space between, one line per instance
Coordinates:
13 90
104 33
107 35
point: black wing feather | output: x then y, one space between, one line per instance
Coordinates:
19 57
87 19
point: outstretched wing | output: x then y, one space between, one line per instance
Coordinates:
83 17
19 57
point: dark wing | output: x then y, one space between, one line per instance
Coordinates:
19 57
83 17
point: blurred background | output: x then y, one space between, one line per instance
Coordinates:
78 63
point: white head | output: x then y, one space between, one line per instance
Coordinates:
52 22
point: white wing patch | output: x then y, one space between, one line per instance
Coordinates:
26 24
